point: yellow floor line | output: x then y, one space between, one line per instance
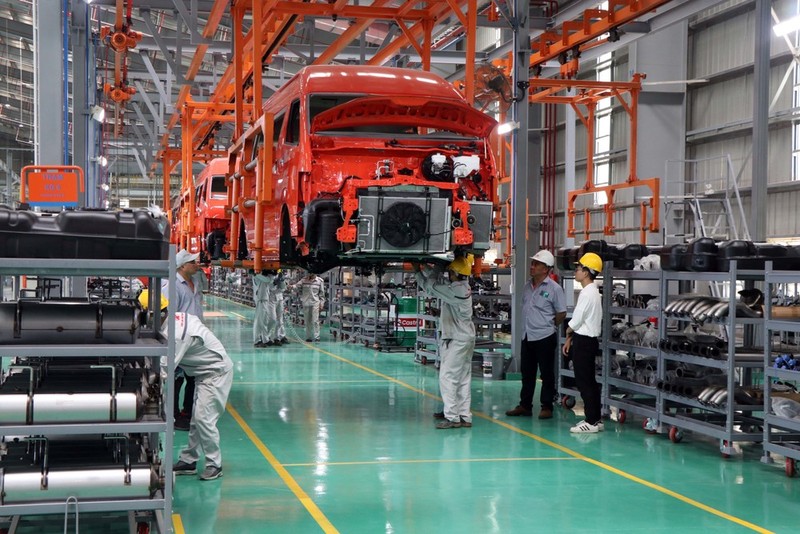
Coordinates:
440 461
177 524
301 495
563 449
311 382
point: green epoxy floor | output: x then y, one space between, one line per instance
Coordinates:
336 437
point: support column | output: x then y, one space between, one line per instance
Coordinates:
525 177
758 201
84 129
48 59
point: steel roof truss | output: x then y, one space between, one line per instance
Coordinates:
156 81
157 114
173 62
190 19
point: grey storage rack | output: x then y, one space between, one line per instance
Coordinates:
625 392
781 434
733 421
426 349
150 344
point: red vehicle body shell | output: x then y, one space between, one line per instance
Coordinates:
346 144
209 228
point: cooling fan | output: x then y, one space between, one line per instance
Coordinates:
492 86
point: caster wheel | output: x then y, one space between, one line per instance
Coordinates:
650 426
791 467
568 402
725 449
622 416
675 435
424 360
142 528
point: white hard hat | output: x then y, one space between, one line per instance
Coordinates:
544 256
184 256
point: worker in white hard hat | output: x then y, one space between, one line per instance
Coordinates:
456 340
544 308
583 341
189 298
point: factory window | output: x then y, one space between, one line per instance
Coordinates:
602 132
796 122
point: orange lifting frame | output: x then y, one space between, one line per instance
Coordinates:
588 94
193 115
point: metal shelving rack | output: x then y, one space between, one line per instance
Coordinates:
781 435
150 344
733 422
426 349
620 392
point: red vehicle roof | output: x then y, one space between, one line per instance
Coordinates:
367 79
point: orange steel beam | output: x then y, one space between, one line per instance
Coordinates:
588 94
194 114
351 11
214 17
349 35
594 23
436 12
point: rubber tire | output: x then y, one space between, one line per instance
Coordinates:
790 467
568 402
675 435
142 528
622 416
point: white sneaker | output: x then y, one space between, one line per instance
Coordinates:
600 426
585 428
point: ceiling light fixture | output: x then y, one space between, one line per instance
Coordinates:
507 127
100 160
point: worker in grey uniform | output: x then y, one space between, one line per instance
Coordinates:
456 339
265 310
312 296
203 357
276 296
190 282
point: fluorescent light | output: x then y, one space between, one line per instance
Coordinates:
787 26
507 127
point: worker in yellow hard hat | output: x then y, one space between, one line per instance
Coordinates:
583 341
456 340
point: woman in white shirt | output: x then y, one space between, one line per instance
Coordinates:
583 333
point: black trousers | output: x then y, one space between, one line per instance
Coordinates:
188 395
538 356
584 351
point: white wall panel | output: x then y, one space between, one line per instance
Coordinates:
719 104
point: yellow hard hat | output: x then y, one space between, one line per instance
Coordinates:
144 300
461 265
592 261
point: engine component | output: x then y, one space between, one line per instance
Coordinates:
419 225
437 168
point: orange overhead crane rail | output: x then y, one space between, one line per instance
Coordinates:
576 35
588 94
